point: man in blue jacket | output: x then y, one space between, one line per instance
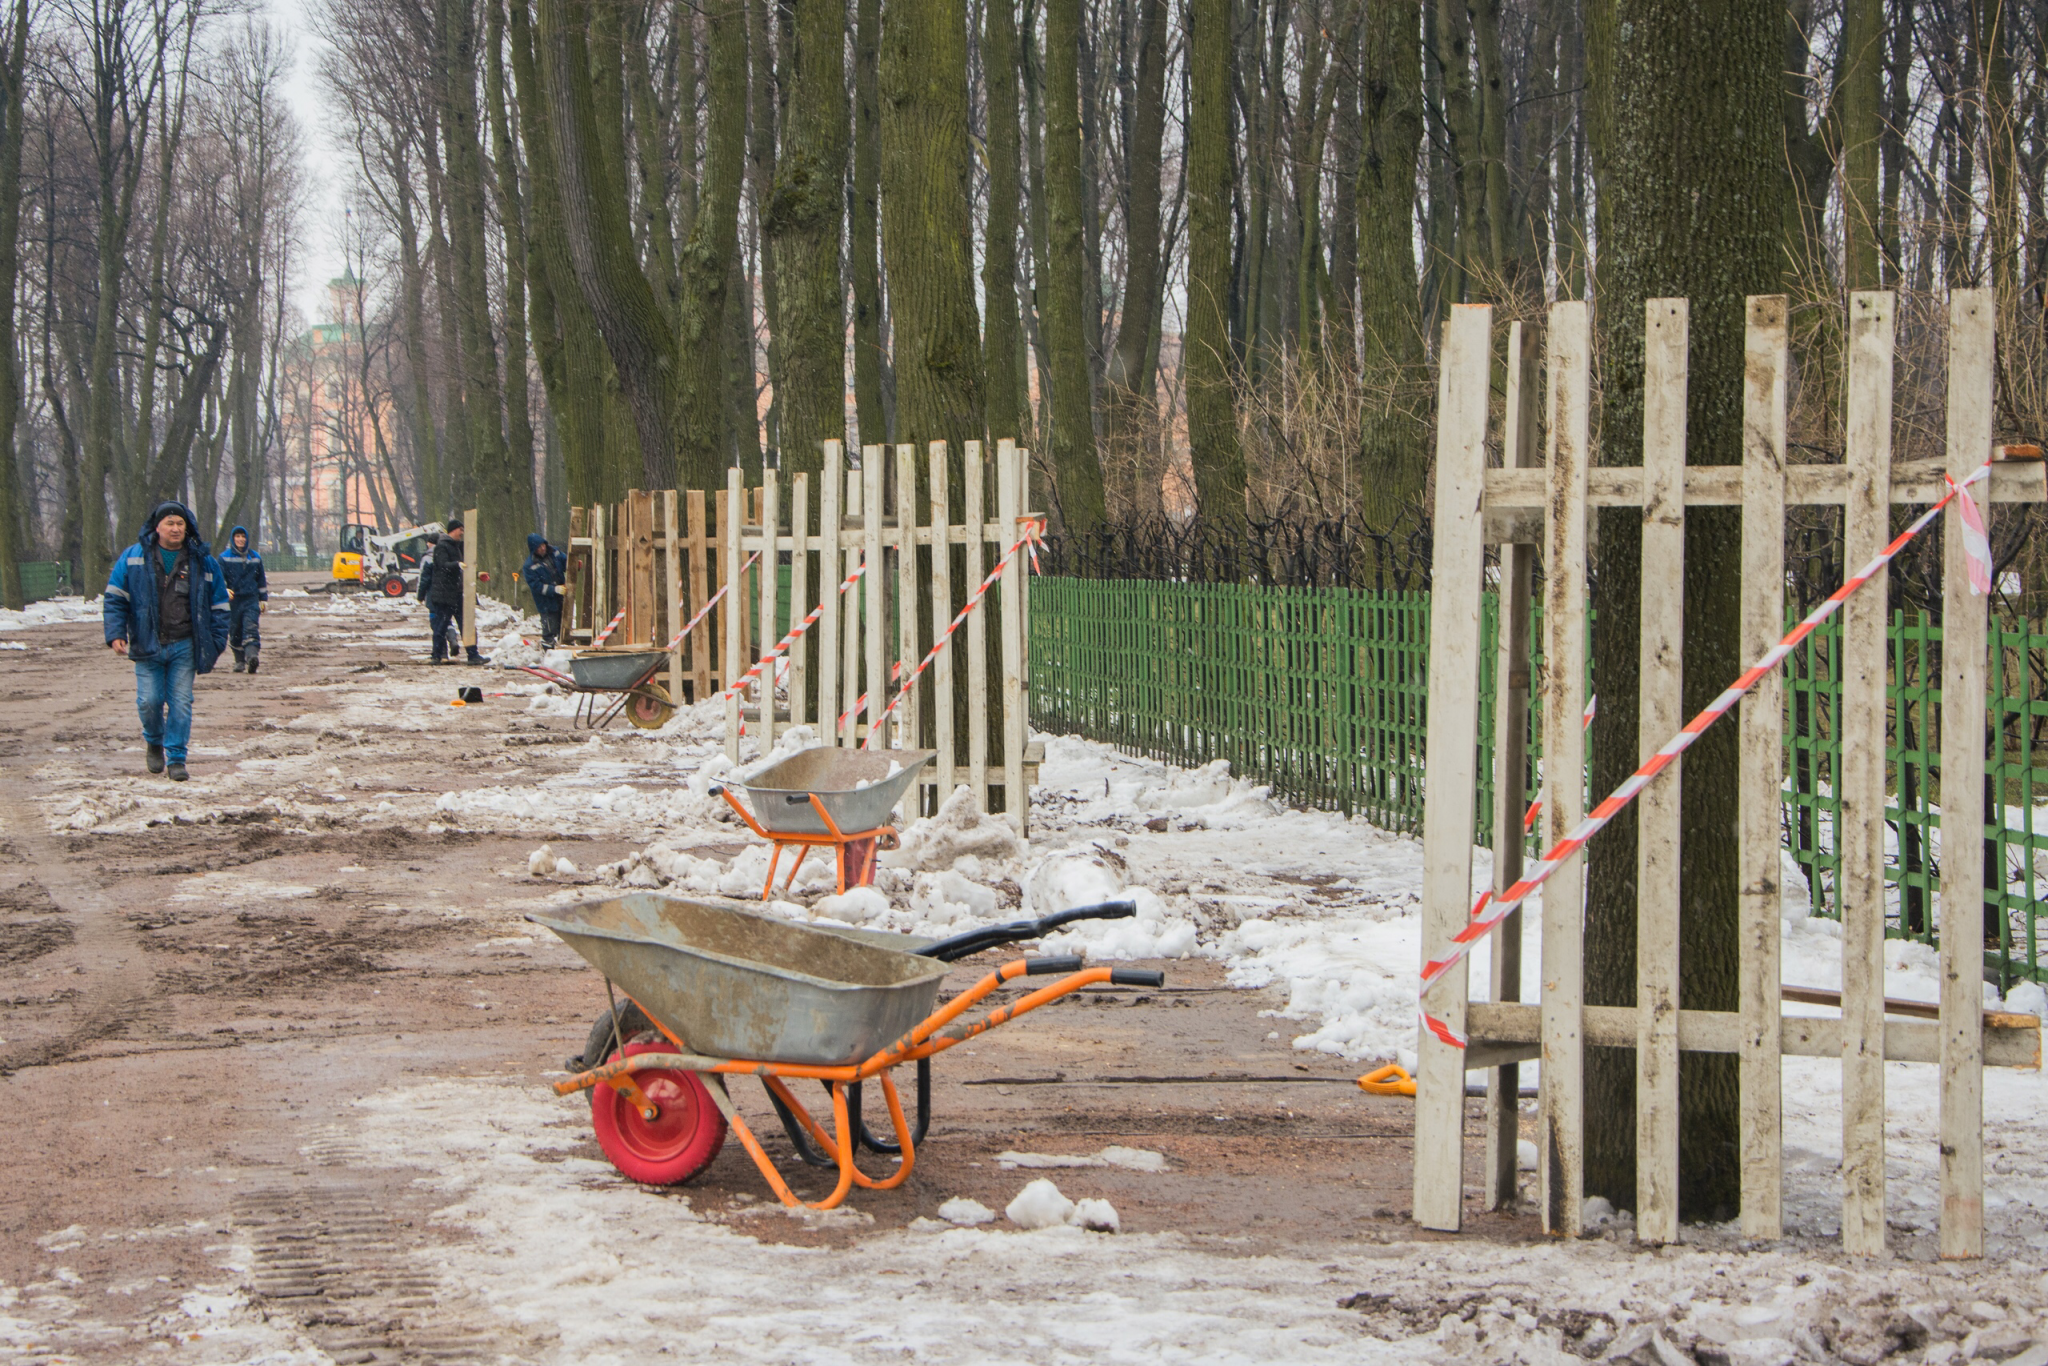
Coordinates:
166 611
546 567
248 590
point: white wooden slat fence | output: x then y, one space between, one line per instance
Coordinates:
1518 507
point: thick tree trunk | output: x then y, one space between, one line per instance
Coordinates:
927 227
512 220
1002 341
864 244
803 231
710 257
1206 357
1693 214
13 519
1861 95
761 130
1393 458
1127 380
1077 472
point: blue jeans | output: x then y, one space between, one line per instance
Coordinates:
163 694
447 627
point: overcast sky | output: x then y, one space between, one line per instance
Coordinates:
319 257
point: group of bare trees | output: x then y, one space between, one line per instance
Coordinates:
149 177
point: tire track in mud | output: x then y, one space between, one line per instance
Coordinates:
342 1255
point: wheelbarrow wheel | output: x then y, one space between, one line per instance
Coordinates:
680 1141
649 707
602 1043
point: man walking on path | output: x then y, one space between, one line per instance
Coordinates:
166 611
441 591
248 590
546 567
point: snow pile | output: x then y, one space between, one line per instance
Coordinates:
857 906
1092 876
543 861
1210 796
50 612
1040 1205
12 645
1128 1159
960 837
965 1212
1356 974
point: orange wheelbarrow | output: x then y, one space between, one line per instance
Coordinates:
834 798
715 992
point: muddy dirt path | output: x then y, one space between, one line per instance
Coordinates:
204 985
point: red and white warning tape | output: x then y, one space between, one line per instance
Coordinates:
797 630
1977 551
1034 527
711 602
610 627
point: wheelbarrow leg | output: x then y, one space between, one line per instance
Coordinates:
842 1148
803 851
768 887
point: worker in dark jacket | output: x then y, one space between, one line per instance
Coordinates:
166 611
546 569
248 590
441 591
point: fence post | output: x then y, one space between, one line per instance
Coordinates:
1964 635
765 578
1561 1135
855 643
700 593
977 631
1866 528
1454 723
831 574
672 581
800 594
942 616
1661 714
470 552
1011 470
1510 758
733 611
1762 765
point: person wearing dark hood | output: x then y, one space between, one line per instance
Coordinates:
166 611
248 590
441 591
546 568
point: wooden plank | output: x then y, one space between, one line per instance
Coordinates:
1462 396
831 487
1560 1140
601 577
942 617
699 644
800 595
470 551
672 586
853 640
2009 1040
875 632
765 577
1761 765
642 622
1665 323
908 577
1510 761
1861 725
732 612
1964 642
1012 469
977 631
575 578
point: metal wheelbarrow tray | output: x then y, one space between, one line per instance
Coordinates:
737 984
733 993
855 786
614 670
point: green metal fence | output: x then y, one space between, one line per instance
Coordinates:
42 579
1323 693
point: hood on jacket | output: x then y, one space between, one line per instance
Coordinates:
534 541
165 509
241 531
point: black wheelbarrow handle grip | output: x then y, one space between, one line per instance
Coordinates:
1136 977
1065 962
988 936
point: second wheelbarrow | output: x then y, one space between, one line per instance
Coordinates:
627 673
842 798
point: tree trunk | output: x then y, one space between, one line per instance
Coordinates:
1861 97
1127 382
1393 459
761 184
1205 358
710 256
1077 472
864 246
927 225
803 231
512 220
1693 215
13 521
1002 342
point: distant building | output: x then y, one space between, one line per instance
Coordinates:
331 422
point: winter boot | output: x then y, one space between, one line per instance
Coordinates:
252 661
476 658
153 755
177 773
241 665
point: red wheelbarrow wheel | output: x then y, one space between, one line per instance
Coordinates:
680 1141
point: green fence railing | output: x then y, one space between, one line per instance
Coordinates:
1323 694
41 579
